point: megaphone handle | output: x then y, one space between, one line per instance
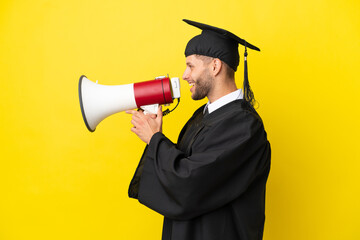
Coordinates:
153 108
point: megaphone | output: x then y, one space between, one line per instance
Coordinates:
98 101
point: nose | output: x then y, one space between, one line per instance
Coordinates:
186 74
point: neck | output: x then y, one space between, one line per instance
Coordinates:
221 88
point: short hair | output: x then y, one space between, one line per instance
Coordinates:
205 59
230 73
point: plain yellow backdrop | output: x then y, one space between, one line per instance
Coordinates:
59 181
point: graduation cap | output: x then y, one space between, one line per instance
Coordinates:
222 44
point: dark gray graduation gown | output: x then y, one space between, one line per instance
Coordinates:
211 185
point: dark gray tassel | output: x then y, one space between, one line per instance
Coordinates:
248 94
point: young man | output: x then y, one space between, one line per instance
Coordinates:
211 184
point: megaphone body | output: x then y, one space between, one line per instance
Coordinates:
100 101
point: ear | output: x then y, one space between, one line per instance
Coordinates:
216 66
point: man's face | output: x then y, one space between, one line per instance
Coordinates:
197 74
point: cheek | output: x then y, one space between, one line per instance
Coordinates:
195 75
200 75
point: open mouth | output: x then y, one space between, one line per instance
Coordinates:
191 84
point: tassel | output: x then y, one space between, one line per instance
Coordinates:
248 94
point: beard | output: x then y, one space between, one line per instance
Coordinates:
203 85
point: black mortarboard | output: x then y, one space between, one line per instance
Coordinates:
219 43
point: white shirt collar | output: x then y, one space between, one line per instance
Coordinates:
238 94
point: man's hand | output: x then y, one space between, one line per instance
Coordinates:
145 126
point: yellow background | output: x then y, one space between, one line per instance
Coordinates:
59 181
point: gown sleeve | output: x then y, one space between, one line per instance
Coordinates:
225 160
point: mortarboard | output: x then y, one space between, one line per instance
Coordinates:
219 43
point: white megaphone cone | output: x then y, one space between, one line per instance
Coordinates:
100 101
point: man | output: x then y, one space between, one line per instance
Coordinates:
211 184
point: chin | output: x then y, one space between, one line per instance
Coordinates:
196 97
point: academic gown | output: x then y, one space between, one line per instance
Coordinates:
211 184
